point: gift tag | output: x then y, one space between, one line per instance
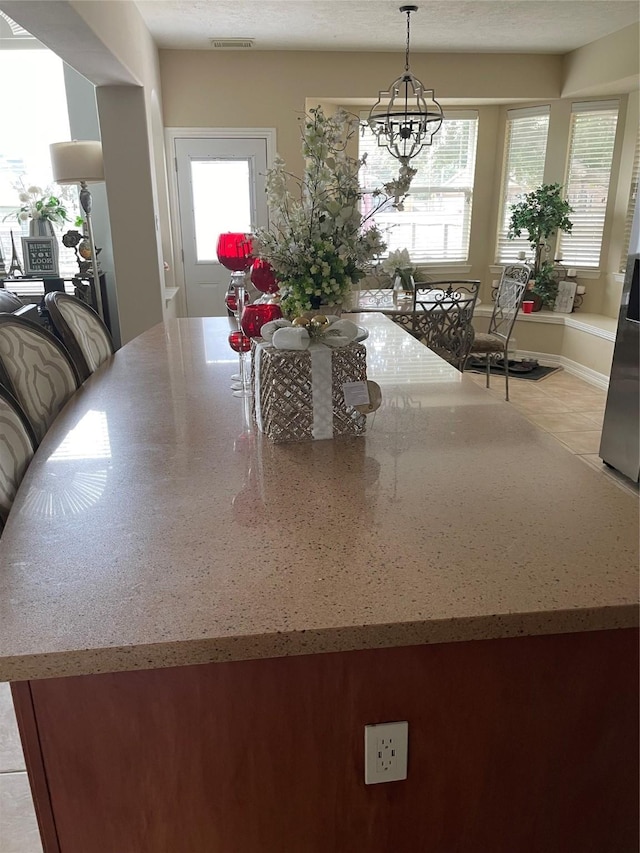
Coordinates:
356 394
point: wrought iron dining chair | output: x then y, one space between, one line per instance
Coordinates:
495 342
81 330
442 318
36 368
17 446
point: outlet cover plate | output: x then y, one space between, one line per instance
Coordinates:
386 748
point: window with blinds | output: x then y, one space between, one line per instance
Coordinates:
593 133
436 221
633 196
525 149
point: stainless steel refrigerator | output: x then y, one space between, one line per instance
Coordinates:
620 443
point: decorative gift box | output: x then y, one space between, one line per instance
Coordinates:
298 394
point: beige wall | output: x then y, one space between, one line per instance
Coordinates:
270 89
607 66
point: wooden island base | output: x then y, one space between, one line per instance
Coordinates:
524 745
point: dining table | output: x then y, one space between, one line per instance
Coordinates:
198 623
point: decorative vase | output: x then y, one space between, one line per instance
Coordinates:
41 228
403 287
534 297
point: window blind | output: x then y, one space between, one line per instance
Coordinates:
592 137
633 195
525 149
436 221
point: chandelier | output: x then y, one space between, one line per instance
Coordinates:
406 117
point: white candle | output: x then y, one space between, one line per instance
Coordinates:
571 273
581 289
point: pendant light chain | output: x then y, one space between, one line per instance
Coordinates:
406 115
406 60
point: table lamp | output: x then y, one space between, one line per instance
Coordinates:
80 162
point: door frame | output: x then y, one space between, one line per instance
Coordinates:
170 136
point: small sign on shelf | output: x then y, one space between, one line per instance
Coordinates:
40 255
565 298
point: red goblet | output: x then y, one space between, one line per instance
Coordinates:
255 316
263 276
241 344
235 251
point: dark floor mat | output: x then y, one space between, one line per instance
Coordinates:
517 369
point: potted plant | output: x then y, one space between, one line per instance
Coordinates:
541 213
42 210
400 270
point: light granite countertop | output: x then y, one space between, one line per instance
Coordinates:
153 528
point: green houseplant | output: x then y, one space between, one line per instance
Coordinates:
541 213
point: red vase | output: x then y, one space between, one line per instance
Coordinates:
235 251
263 276
255 316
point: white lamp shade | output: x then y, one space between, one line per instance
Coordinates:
77 161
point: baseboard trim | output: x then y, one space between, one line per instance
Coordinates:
600 380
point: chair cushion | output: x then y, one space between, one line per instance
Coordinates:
88 332
41 375
487 343
9 302
16 451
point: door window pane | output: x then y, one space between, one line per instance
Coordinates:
221 202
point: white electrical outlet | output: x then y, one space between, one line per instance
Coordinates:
386 748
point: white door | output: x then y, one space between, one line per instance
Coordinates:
221 187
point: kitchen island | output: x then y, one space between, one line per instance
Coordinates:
198 623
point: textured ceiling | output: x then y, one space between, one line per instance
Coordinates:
509 26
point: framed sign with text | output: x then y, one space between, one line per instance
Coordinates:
566 296
40 255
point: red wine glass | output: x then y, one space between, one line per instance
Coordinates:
235 251
241 344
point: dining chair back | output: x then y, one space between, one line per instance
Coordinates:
509 297
442 318
82 331
36 369
17 446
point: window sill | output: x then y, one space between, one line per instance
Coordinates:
593 324
585 272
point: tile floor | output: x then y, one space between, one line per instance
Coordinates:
566 407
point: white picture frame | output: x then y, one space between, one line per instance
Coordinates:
40 257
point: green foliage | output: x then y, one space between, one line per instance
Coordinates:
540 213
546 285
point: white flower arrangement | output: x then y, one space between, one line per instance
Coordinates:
39 204
398 265
320 243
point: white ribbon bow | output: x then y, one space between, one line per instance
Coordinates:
282 335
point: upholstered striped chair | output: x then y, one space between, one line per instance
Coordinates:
81 330
36 368
17 446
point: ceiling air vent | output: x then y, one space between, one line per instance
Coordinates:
231 44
